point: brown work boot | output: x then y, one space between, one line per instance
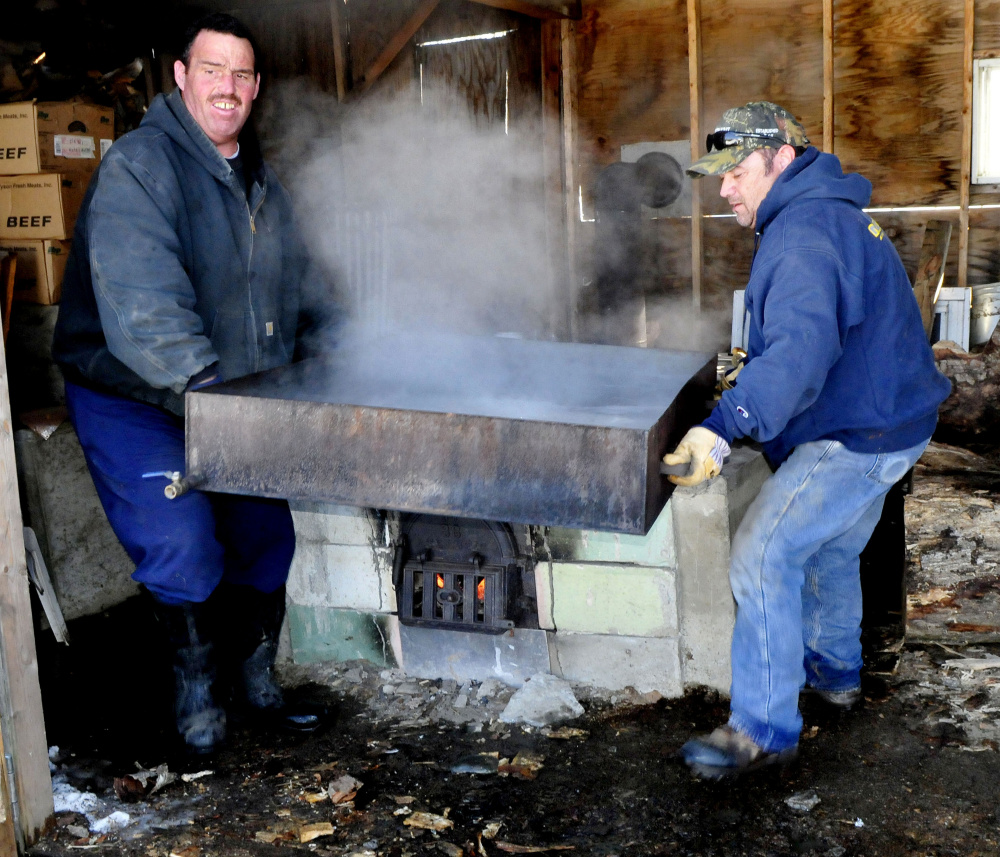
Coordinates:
728 753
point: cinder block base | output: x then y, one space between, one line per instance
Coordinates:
353 577
89 568
512 657
630 600
324 634
656 548
614 663
705 519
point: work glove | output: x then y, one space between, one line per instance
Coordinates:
205 378
728 380
701 449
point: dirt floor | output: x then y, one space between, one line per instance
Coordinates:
427 768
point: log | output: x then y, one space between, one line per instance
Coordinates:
972 411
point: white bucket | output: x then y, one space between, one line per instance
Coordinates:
985 313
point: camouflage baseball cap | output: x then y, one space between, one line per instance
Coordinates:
742 130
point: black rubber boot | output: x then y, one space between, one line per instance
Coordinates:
200 720
254 623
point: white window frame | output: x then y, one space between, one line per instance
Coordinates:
986 121
954 305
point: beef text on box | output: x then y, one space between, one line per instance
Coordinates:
19 139
31 206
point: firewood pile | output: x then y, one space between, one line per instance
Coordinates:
972 411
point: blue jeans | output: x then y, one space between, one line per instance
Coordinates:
795 574
182 548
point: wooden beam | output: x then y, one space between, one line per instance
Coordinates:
551 9
567 34
9 845
930 269
8 271
22 724
828 80
695 100
553 172
397 43
339 67
965 172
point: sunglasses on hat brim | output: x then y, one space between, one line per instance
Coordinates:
723 140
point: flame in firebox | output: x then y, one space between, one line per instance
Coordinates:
480 589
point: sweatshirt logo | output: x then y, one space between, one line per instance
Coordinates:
743 412
876 230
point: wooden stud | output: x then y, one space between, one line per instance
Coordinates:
695 100
552 166
930 270
8 834
8 271
397 43
550 9
569 118
339 67
828 79
965 172
22 723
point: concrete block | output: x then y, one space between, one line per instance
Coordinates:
338 525
512 657
89 568
614 599
615 663
356 577
544 594
656 548
321 634
705 519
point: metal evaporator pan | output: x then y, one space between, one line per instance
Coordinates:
502 429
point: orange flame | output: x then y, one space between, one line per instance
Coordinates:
481 590
440 581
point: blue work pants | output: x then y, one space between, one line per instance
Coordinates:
795 574
182 548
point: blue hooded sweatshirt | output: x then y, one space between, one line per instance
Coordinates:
836 348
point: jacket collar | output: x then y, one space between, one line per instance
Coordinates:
170 114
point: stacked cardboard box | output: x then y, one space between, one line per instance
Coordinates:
48 152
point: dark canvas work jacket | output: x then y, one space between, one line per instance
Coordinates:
176 264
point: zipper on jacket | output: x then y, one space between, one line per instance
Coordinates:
253 231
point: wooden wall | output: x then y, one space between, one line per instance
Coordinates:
897 89
898 94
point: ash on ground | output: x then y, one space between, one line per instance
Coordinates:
409 767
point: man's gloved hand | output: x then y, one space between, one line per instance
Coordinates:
205 378
728 380
703 450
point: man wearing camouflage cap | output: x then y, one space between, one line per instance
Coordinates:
840 387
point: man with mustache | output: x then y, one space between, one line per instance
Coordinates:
841 389
186 269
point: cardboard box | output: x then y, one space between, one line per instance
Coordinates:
32 206
40 267
53 136
74 187
19 150
72 135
